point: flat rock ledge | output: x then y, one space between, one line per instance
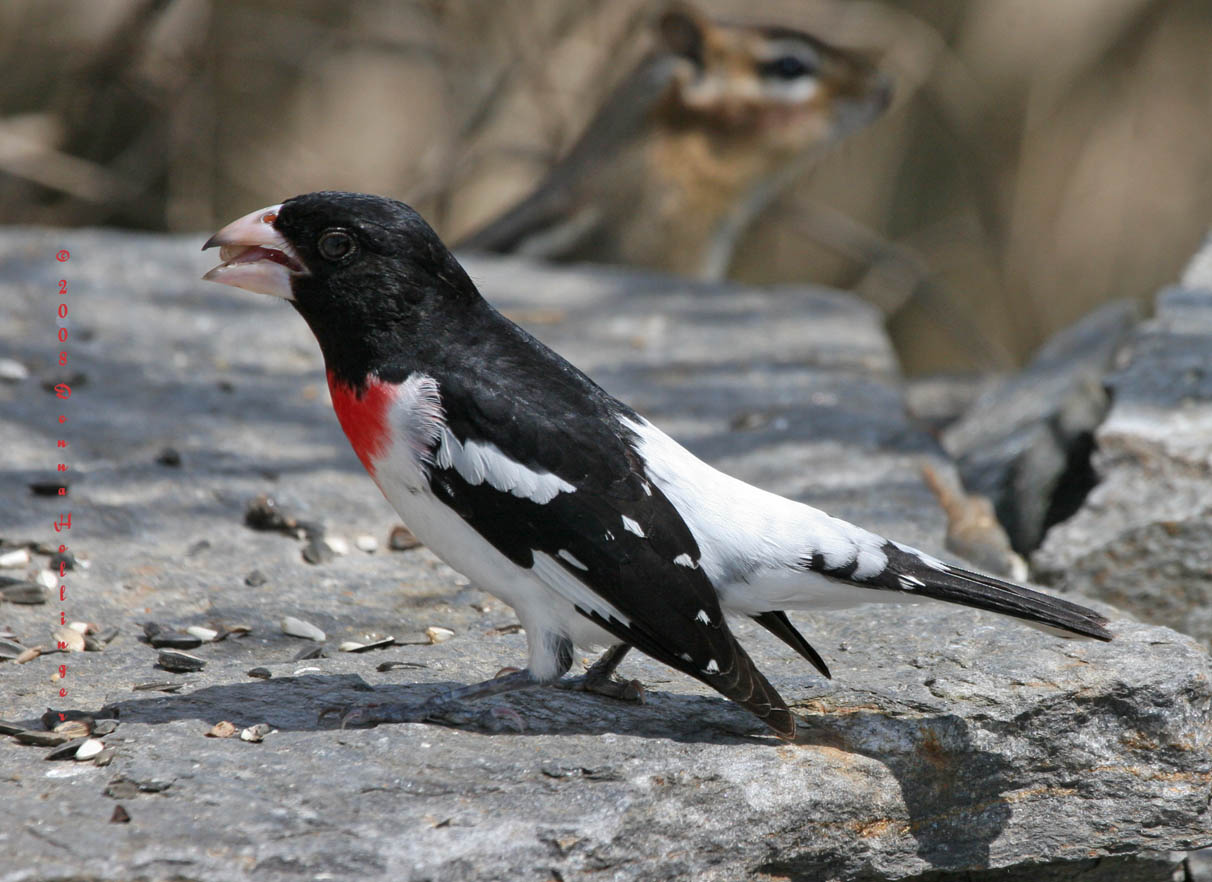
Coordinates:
950 745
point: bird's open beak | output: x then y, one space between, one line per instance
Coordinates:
255 255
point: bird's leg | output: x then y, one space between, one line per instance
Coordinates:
600 680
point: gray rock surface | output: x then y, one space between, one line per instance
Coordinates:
1143 538
950 745
1025 443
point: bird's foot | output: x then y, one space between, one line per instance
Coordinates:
611 687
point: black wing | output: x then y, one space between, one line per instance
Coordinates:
542 413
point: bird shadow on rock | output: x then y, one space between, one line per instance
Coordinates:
299 703
951 788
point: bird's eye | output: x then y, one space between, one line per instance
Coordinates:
335 244
786 67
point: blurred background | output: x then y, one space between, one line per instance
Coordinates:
1040 157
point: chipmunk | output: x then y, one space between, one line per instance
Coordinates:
691 147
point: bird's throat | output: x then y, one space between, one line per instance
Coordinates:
362 413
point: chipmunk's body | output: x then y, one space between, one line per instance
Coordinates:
691 147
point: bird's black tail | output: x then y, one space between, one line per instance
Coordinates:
918 575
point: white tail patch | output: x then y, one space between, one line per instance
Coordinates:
685 560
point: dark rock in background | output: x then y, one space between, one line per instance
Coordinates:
1143 538
950 745
1026 443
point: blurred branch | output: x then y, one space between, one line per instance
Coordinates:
26 156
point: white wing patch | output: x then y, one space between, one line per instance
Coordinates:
572 589
632 527
480 461
684 560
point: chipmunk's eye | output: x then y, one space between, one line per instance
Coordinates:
786 67
335 244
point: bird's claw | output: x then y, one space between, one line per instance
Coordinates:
624 690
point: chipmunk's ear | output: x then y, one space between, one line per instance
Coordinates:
682 31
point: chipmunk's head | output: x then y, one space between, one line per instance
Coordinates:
784 87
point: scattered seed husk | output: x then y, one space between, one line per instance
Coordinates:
337 545
89 749
355 646
53 718
92 644
260 673
169 456
264 513
82 627
13 371
316 551
120 815
66 558
41 738
66 750
298 628
10 649
310 652
255 579
157 686
47 580
438 634
164 637
28 593
14 559
29 655
235 631
222 729
179 662
66 638
75 728
255 734
402 539
104 727
384 667
366 543
7 728
206 635
47 488
107 636
512 628
105 757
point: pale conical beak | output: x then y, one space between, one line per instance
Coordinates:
255 256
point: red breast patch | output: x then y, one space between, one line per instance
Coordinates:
364 417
